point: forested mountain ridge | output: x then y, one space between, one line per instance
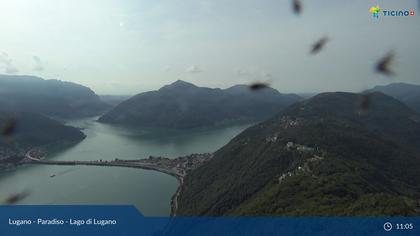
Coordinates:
333 154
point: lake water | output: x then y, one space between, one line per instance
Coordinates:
149 191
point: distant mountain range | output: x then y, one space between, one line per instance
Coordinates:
114 100
329 155
52 98
407 93
184 105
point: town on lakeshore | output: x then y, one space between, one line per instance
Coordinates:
178 167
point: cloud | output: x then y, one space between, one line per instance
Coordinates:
38 64
240 72
254 74
194 69
4 58
7 64
266 75
11 70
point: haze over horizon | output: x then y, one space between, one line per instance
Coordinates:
128 46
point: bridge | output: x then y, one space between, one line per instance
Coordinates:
140 164
177 167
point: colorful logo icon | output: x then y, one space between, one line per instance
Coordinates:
375 11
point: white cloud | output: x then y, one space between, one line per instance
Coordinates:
11 70
240 72
38 64
266 75
7 64
194 69
253 73
4 58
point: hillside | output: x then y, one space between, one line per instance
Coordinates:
322 156
184 105
114 100
407 93
23 131
52 98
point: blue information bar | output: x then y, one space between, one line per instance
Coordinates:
127 220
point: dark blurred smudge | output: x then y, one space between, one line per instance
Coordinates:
9 127
297 6
319 45
383 65
258 86
16 197
365 103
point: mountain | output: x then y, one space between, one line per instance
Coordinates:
52 98
22 131
407 93
328 155
114 100
184 105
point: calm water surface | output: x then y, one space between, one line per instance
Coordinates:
149 191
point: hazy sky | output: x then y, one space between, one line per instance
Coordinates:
130 46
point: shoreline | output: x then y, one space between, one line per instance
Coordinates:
174 198
178 167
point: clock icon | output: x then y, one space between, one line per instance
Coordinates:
387 226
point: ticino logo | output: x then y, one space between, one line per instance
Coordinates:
376 11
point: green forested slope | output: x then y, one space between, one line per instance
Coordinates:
328 155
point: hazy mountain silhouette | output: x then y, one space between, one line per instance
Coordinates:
53 98
114 100
407 93
184 105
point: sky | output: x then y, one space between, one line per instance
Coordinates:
132 46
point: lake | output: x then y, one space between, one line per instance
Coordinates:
149 191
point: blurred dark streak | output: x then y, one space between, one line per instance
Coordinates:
297 7
319 45
365 103
16 197
9 127
258 86
383 65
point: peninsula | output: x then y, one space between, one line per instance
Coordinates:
178 167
